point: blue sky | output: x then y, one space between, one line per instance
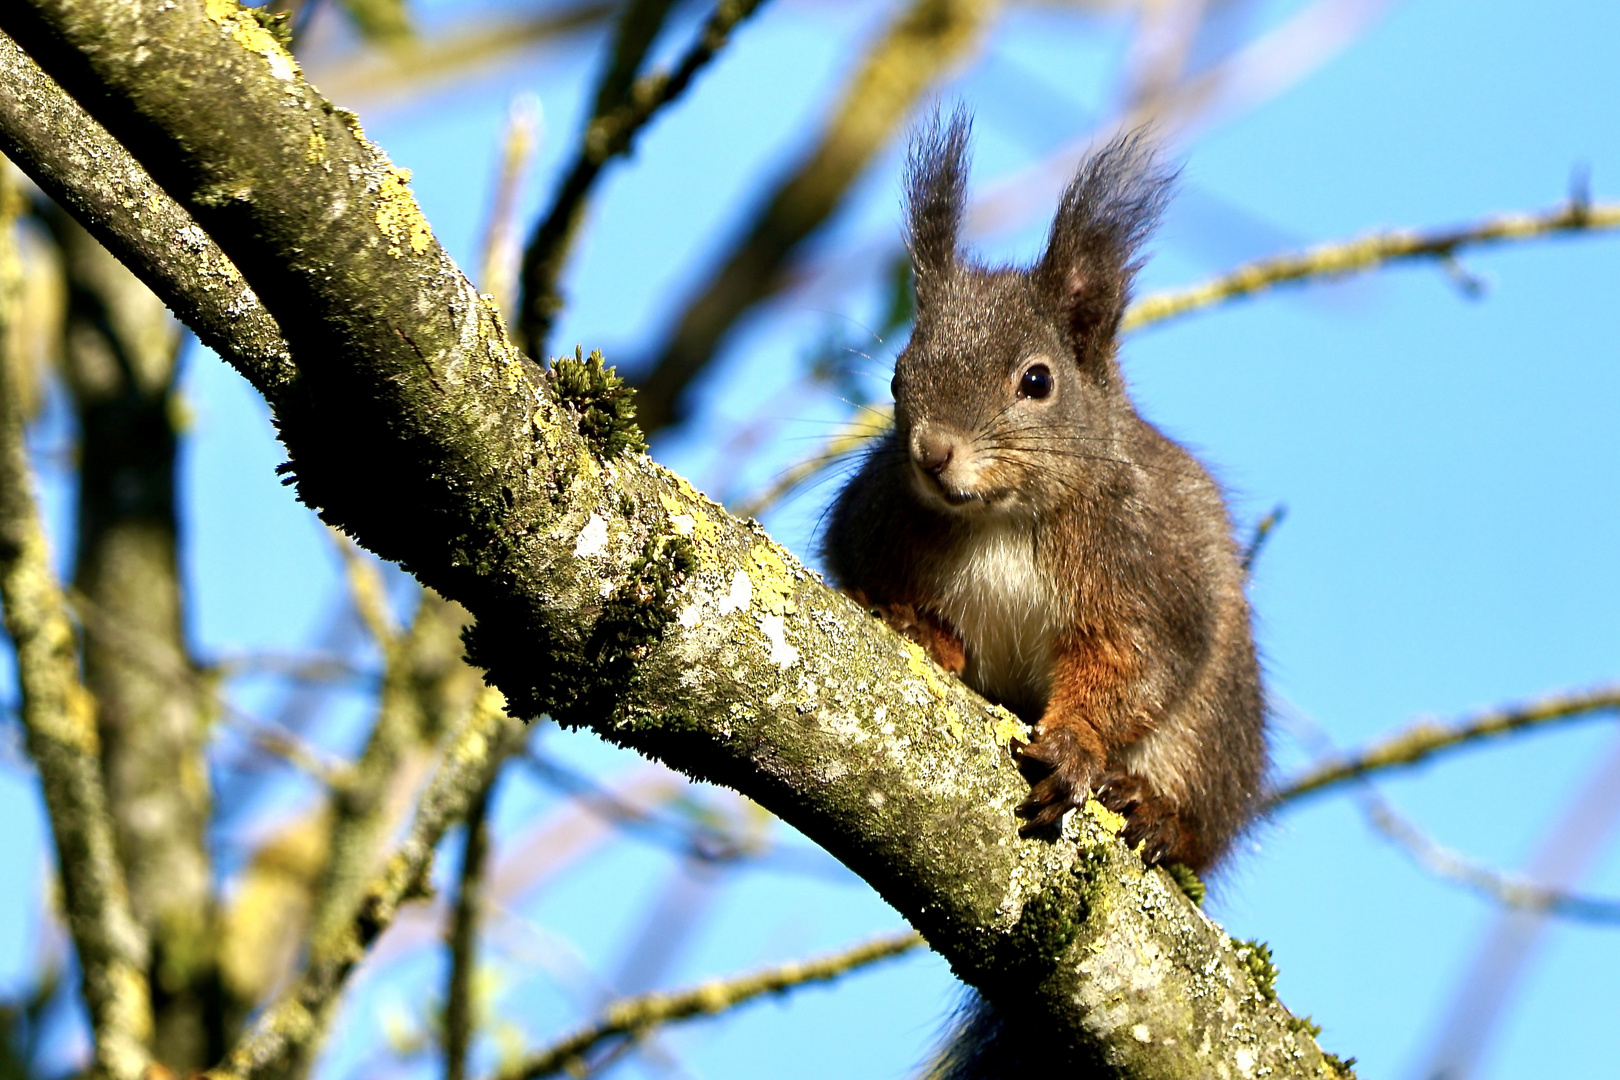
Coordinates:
1448 465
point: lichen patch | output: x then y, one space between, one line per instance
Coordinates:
398 216
253 36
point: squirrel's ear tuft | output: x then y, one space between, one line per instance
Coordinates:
936 190
1108 210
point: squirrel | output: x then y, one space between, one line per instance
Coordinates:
1039 538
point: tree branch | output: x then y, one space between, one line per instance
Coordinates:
86 171
120 356
288 1023
1370 252
610 594
635 1017
1509 890
1428 739
623 108
928 38
60 719
460 1014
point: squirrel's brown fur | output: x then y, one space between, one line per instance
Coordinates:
1039 537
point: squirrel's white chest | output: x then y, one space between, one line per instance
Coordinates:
1001 603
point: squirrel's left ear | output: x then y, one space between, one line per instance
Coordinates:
1108 210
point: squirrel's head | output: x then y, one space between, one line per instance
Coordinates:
1008 393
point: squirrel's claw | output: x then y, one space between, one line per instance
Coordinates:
1151 820
1060 774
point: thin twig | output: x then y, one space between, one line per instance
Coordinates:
1318 264
1426 739
367 591
926 39
291 1020
59 717
1370 252
1262 533
460 1017
618 119
872 422
633 1017
498 252
1510 890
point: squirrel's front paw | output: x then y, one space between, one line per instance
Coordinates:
1060 770
1151 821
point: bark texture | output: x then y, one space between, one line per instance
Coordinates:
611 594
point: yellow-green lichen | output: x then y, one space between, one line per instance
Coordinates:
316 149
398 217
1111 822
1007 728
250 32
773 583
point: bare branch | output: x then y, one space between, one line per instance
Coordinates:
291 1020
1371 252
634 1017
499 254
60 719
460 1021
619 117
927 39
1425 740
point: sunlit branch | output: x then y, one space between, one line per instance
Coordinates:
288 1023
85 170
634 1017
1318 264
611 132
1371 252
58 716
1427 739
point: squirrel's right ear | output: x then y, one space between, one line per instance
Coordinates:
936 191
1107 212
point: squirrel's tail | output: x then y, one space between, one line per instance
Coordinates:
981 1044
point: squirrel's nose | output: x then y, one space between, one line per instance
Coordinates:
933 448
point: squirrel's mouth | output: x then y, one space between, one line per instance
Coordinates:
940 491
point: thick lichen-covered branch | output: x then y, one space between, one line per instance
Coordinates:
624 105
1426 740
1370 252
634 1017
74 161
611 594
59 717
924 42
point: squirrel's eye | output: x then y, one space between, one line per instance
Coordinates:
894 387
1036 382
